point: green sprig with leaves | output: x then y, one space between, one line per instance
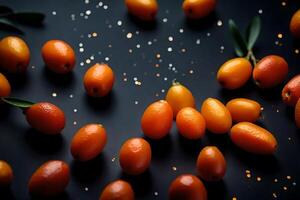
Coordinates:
243 44
10 19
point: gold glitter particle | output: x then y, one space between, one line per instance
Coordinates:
183 50
258 179
137 83
156 65
129 35
158 56
248 175
248 171
285 188
191 71
158 75
130 50
125 79
296 51
279 35
113 159
275 180
174 168
288 177
283 3
274 195
94 34
234 198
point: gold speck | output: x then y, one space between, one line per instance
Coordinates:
288 177
113 159
248 175
130 50
234 198
274 195
285 188
296 51
174 168
279 35
191 71
158 75
183 50
258 179
129 35
157 55
94 34
248 171
156 65
283 3
275 180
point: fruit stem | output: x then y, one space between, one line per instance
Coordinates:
250 56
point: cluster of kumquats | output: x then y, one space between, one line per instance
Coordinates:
135 154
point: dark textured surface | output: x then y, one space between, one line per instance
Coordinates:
25 149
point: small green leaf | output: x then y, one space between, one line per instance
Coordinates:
239 42
5 10
7 24
23 104
26 17
253 31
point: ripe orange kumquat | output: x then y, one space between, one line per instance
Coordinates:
295 24
6 173
5 88
291 91
142 9
297 114
117 190
197 9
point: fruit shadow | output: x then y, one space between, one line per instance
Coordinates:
161 148
201 24
271 95
4 111
290 113
103 104
141 184
191 148
147 26
59 80
90 171
216 190
18 80
62 196
227 95
7 193
44 144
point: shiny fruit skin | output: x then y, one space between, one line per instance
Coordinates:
190 123
234 73
178 96
270 71
217 117
253 138
49 179
157 120
88 142
98 80
135 156
211 164
6 173
295 24
5 88
297 114
197 9
117 190
291 91
46 118
58 56
244 110
144 10
187 187
14 54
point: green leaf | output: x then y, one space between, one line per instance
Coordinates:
239 42
26 17
5 10
253 31
23 104
7 24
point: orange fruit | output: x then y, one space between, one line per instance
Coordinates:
190 123
135 156
244 110
178 96
6 173
270 71
187 187
297 114
157 120
88 142
98 80
46 118
234 73
14 54
197 9
291 91
58 56
211 164
5 88
142 9
117 190
295 24
217 117
49 179
253 138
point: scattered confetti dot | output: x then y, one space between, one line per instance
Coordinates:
283 3
258 179
260 11
74 123
181 30
219 23
284 188
296 51
106 58
54 94
136 102
86 189
275 180
279 35
105 7
113 159
170 38
198 41
155 193
174 168
138 46
288 177
274 195
129 35
75 110
119 23
53 12
170 49
88 12
71 96
234 198
165 20
81 49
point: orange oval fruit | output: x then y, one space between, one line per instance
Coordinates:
14 54
157 120
217 117
117 190
297 114
253 138
178 96
58 56
295 24
6 173
244 110
291 91
197 9
46 118
234 73
187 187
88 142
142 9
270 71
5 88
135 156
211 164
49 179
190 123
98 80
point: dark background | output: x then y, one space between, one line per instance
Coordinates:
25 149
